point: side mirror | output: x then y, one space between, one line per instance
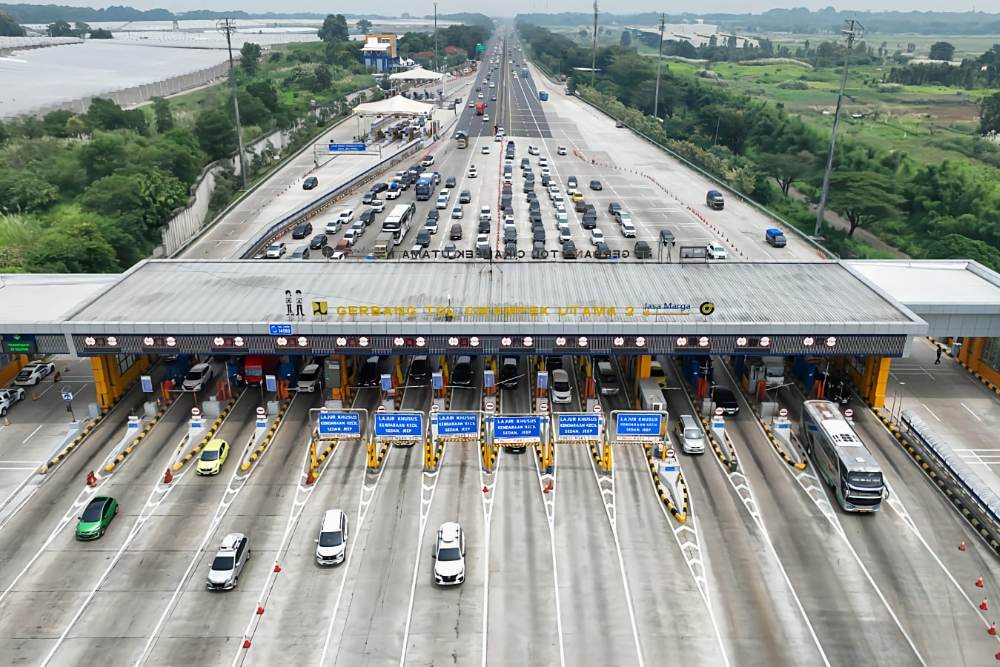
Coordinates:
316 541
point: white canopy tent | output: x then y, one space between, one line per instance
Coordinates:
416 74
397 105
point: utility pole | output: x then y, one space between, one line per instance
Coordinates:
659 61
437 64
852 29
593 57
228 27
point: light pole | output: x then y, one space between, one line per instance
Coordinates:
659 61
227 27
852 29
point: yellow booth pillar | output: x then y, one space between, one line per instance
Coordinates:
875 380
111 383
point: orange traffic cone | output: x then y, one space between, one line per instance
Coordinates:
992 632
486 489
260 610
277 568
979 582
168 476
246 643
961 546
983 605
91 479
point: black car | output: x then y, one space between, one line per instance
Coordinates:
302 230
420 369
461 372
613 208
484 227
510 250
318 242
450 182
546 180
465 197
596 185
538 251
371 373
379 187
367 216
569 250
642 250
433 214
536 218
525 162
508 372
538 235
553 363
666 236
510 235
528 186
725 399
602 251
423 239
368 197
310 183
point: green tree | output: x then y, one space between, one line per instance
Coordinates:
81 29
76 127
175 153
989 114
112 195
75 246
4 134
60 29
364 25
103 154
252 110
334 28
626 39
786 168
250 57
941 51
101 33
951 246
323 78
216 133
162 115
266 93
863 197
104 114
55 122
9 27
21 192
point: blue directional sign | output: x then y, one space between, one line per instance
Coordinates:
339 424
408 425
346 148
524 427
147 383
457 424
639 425
572 425
279 329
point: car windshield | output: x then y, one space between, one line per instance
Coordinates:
560 386
93 511
222 563
331 539
692 433
194 375
210 455
449 554
309 375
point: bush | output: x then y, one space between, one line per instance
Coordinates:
794 84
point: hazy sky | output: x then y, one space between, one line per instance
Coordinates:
512 7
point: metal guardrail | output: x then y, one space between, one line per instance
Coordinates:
722 184
980 501
324 201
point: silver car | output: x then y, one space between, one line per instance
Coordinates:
232 556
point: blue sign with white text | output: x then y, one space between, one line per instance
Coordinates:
399 424
342 424
346 148
638 424
280 329
570 425
518 427
457 423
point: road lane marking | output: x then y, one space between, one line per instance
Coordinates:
930 411
969 410
25 441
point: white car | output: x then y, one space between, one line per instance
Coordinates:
457 213
8 397
393 194
543 161
628 229
308 379
596 236
331 545
431 227
564 234
485 213
442 201
33 373
561 150
544 171
351 236
449 555
532 150
378 205
197 377
276 250
486 118
345 215
224 573
473 172
485 150
716 251
332 227
561 390
498 138
472 104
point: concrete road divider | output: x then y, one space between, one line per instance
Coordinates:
139 437
209 434
258 451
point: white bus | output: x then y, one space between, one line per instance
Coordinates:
841 456
398 221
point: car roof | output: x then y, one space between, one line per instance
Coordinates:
199 367
214 443
450 531
331 520
231 541
559 372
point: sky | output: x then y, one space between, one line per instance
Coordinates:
511 7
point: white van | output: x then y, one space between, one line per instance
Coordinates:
607 378
691 435
331 545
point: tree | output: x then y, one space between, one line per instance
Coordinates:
265 92
106 115
364 25
21 192
250 57
942 51
786 168
626 39
4 134
863 197
951 246
72 247
55 122
162 116
103 154
334 28
989 114
323 78
76 127
216 133
9 27
101 33
81 29
60 29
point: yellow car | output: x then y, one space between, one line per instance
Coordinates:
212 457
576 196
656 372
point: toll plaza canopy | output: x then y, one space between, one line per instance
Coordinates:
397 105
416 74
294 307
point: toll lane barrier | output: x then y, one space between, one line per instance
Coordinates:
321 456
679 514
259 451
68 449
780 449
212 430
122 455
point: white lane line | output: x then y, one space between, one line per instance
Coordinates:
25 441
969 410
550 512
488 522
18 467
930 411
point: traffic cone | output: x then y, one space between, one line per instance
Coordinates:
91 479
979 582
260 610
277 568
486 489
311 476
168 476
961 546
992 632
983 605
246 643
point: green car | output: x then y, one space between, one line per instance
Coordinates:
95 519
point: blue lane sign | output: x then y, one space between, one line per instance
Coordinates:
339 424
639 425
147 383
271 383
399 425
346 148
517 428
451 424
280 329
572 425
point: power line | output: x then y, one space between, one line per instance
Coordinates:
228 27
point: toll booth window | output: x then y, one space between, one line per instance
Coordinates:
124 362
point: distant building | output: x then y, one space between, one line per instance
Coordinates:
379 52
698 34
455 50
